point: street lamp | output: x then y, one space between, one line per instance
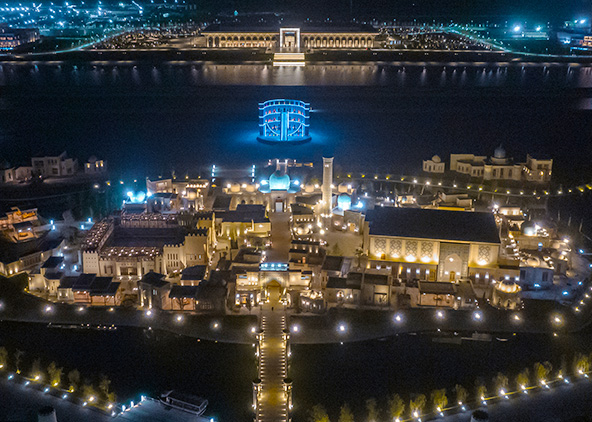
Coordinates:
478 316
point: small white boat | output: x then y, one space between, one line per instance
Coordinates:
186 402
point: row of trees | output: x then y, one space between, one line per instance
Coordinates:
57 378
439 400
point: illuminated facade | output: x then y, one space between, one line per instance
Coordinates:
11 37
359 37
135 244
258 285
435 245
284 121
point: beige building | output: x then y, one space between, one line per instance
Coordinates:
54 166
137 244
435 165
229 36
183 193
95 166
271 280
16 174
500 167
25 243
434 245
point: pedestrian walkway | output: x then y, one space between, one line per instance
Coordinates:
273 405
280 237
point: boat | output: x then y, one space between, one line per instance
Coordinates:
185 402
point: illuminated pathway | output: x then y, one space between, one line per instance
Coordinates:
280 237
273 400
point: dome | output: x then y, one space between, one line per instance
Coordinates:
278 181
309 188
436 159
235 187
250 188
499 152
507 286
343 187
344 201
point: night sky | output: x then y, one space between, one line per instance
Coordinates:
556 10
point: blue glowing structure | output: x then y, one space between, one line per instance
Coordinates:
280 183
135 197
284 122
273 266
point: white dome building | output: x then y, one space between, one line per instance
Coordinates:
435 165
506 295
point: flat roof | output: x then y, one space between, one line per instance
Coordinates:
146 237
154 279
332 263
53 262
196 272
337 283
180 292
437 288
433 224
275 28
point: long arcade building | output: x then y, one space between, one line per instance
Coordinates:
221 36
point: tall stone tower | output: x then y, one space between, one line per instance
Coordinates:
327 181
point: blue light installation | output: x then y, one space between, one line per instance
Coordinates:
284 121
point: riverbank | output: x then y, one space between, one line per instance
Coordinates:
262 56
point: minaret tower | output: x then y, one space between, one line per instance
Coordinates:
327 182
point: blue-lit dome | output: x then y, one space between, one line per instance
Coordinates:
278 181
344 202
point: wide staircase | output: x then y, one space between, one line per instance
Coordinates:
288 59
272 391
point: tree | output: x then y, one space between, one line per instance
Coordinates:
581 364
501 383
36 369
318 414
439 399
74 380
563 370
416 406
104 386
18 355
89 393
345 414
523 379
461 394
396 407
481 392
361 257
3 357
542 371
372 410
55 374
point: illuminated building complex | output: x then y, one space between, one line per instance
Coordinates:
284 121
12 37
328 37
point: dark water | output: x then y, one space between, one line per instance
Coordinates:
149 120
140 362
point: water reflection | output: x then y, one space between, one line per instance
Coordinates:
356 74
